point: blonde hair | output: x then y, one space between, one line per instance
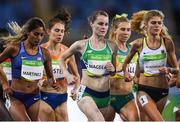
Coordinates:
30 25
115 22
141 18
14 39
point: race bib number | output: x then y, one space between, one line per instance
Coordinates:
57 72
96 63
32 69
132 69
143 100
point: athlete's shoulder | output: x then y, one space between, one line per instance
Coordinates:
135 57
44 50
168 41
113 45
137 43
80 43
12 49
44 45
63 47
83 41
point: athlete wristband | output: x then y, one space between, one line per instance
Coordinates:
173 70
112 73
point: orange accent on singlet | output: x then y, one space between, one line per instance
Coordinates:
57 56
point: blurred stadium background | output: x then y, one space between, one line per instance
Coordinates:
22 10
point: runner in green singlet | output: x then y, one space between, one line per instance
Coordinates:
122 98
98 60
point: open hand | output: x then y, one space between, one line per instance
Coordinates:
163 70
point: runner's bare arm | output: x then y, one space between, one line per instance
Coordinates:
76 47
114 48
135 47
9 52
48 64
171 55
74 70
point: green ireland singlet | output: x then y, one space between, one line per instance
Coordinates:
95 60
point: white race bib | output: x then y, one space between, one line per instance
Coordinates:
152 67
32 69
96 63
132 69
97 67
57 72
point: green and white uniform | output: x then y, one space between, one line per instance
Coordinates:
95 60
152 59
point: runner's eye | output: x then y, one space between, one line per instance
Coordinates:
37 34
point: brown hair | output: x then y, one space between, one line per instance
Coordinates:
63 16
115 22
94 15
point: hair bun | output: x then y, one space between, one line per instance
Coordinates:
63 15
